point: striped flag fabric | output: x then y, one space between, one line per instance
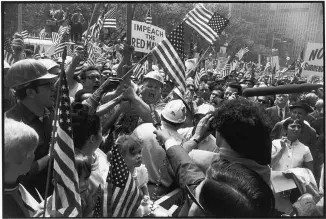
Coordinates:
8 52
148 18
226 70
218 23
241 53
140 69
198 19
198 76
56 37
66 198
170 53
24 34
63 29
60 47
42 34
110 20
125 193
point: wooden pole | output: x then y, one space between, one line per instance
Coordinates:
129 19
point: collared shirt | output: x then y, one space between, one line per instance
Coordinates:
293 156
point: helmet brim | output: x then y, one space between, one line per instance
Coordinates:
46 76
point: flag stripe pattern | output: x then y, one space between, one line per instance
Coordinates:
60 47
170 53
241 53
67 198
226 70
24 34
8 53
218 23
197 77
198 19
110 20
140 69
125 194
148 18
55 38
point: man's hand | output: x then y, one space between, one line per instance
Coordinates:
129 94
162 135
203 128
78 55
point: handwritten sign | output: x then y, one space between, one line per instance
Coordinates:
313 60
144 37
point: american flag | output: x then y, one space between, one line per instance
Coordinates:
241 53
56 37
8 53
140 69
218 23
60 47
94 30
66 197
125 193
226 70
91 54
198 76
110 20
63 29
42 34
198 19
98 205
148 18
24 34
170 53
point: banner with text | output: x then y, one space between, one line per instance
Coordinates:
313 60
144 37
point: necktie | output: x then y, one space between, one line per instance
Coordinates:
281 114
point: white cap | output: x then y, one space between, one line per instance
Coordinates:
175 111
204 109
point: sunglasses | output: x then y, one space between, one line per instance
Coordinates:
193 198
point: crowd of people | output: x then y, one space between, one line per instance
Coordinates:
219 146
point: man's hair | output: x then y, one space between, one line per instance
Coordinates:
89 68
19 138
246 128
233 190
236 85
84 126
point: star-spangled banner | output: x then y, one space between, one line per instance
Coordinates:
110 20
218 23
148 18
170 53
66 197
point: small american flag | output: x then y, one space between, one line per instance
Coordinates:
42 34
66 197
241 53
24 34
110 20
8 53
148 18
198 19
140 69
125 193
63 29
226 70
56 37
198 76
170 53
218 23
60 47
98 205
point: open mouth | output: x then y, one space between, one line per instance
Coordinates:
151 95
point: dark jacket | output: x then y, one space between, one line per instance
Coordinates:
274 115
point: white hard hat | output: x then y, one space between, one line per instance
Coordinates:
175 111
204 109
115 67
48 63
155 75
155 68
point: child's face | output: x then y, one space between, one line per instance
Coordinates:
133 159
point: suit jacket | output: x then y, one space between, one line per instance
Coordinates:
273 112
308 136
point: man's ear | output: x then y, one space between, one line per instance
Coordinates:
30 92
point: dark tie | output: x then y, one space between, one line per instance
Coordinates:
281 114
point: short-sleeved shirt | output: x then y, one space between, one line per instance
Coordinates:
294 155
140 174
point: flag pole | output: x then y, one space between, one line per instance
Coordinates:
200 59
134 66
64 55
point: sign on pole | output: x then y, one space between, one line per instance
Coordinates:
313 60
144 37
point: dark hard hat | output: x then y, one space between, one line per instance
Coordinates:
25 71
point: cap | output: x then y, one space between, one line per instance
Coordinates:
302 105
175 111
25 71
204 109
48 63
155 75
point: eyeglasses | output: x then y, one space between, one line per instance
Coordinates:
93 77
193 198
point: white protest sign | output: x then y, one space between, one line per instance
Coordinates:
313 60
144 37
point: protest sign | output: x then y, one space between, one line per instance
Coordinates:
313 60
144 37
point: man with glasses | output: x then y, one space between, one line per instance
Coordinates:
216 97
281 109
34 89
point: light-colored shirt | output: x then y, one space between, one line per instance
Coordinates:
293 156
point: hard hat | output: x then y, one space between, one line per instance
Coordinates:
25 71
5 65
115 67
204 109
175 111
155 75
48 63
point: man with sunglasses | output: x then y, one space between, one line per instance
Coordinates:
35 92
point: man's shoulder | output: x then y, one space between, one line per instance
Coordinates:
16 112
